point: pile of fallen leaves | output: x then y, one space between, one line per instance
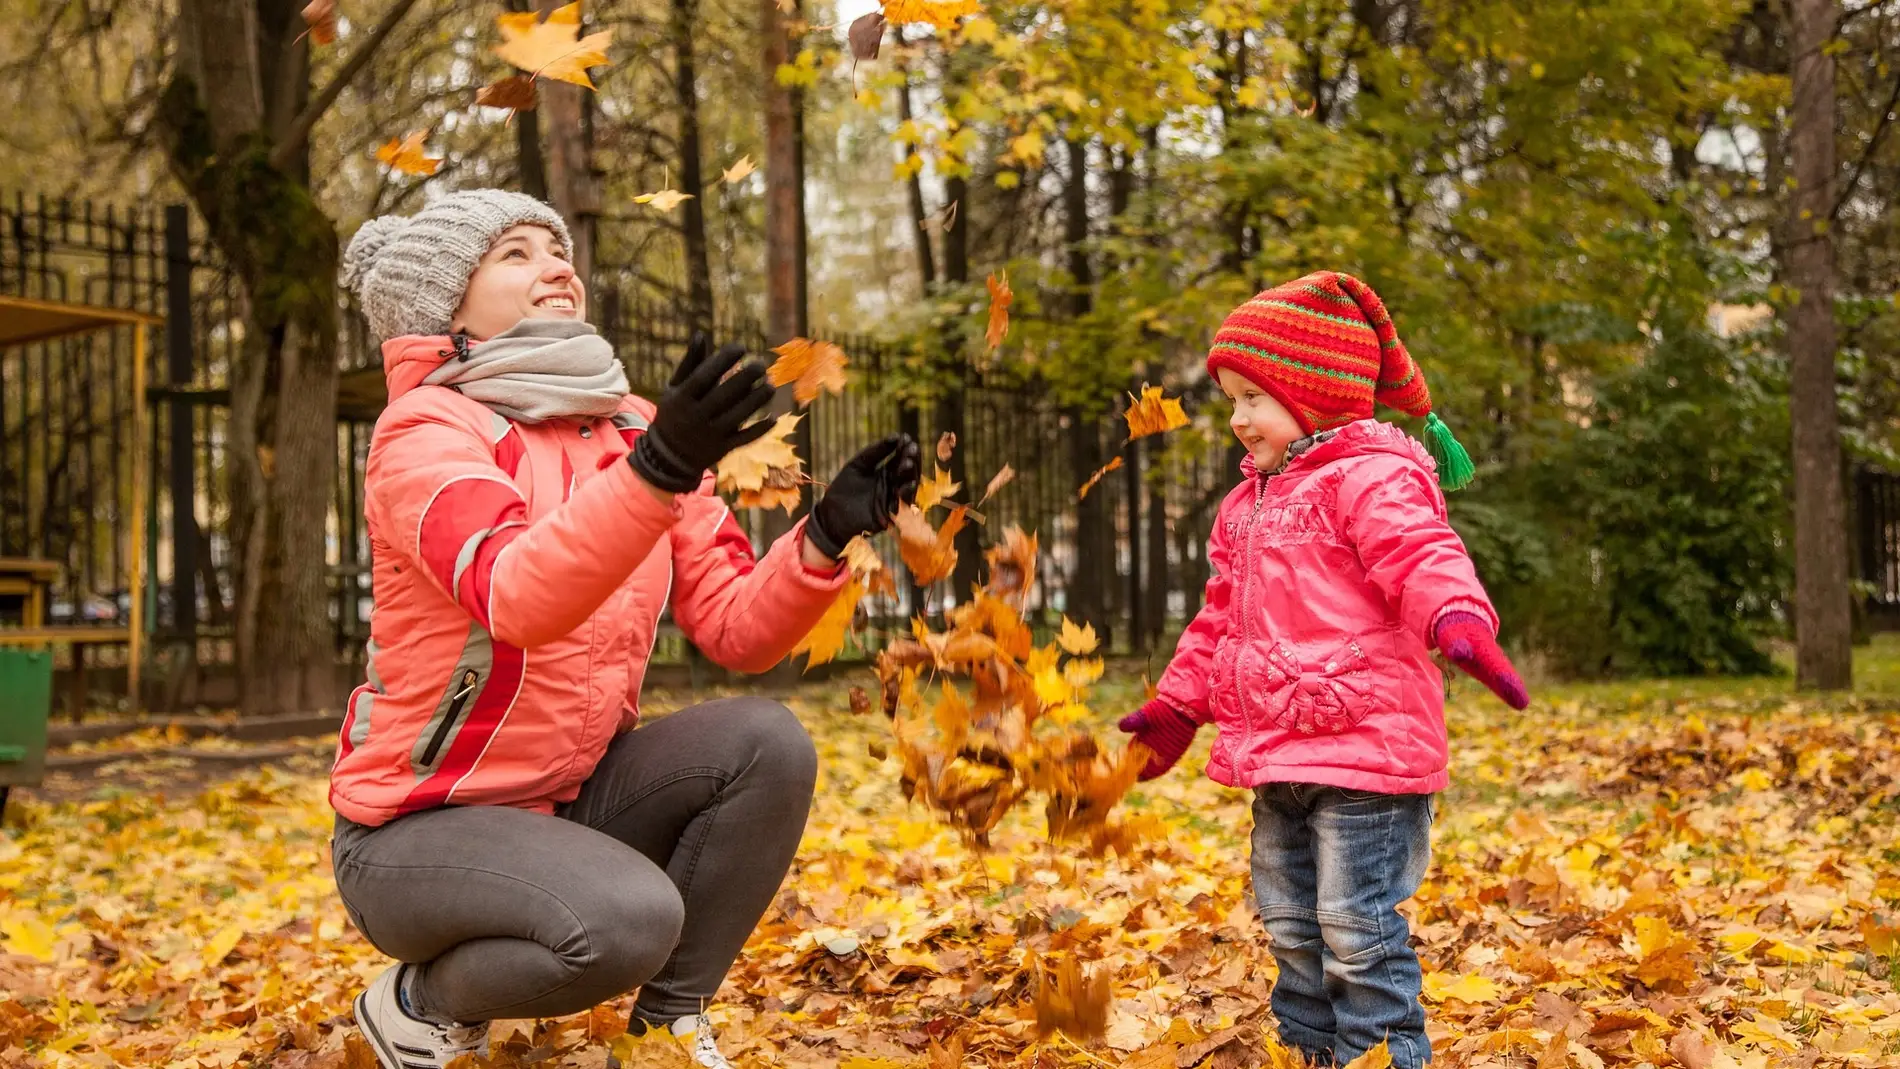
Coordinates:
1708 884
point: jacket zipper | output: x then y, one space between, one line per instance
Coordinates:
1246 609
469 678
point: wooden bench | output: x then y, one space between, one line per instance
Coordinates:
28 578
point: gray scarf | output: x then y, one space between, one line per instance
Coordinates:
538 370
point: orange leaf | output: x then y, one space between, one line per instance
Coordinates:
826 637
810 366
1013 566
1000 299
553 48
1097 477
407 155
1152 413
320 16
935 489
766 474
997 482
943 14
515 91
946 446
1069 1000
929 554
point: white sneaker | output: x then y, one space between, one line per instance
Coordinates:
694 1033
404 1042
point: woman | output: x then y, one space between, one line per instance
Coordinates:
503 831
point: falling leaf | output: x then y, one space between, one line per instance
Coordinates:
1114 464
665 200
860 701
827 636
865 35
765 474
1152 413
809 366
553 48
738 172
1069 999
407 155
1012 566
862 557
943 14
1001 297
941 221
936 489
516 91
320 16
997 482
930 554
1077 641
946 446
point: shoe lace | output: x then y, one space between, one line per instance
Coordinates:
706 1044
461 1037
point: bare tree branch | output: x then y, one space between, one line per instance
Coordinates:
301 126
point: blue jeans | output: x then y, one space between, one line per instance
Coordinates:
1330 866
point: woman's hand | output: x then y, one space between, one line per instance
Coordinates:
864 497
702 416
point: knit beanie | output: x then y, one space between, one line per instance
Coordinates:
1324 347
409 272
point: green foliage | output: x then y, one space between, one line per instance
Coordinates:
1654 540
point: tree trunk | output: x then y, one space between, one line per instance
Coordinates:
951 405
699 294
531 167
1823 610
914 186
573 185
1091 586
236 140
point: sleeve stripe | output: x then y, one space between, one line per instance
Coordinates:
459 508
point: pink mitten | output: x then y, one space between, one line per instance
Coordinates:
1468 642
1163 729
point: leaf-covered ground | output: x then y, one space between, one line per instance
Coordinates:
1700 875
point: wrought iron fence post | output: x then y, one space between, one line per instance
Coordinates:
180 454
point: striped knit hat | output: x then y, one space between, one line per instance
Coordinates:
1324 347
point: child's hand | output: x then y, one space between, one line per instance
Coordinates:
1467 640
1164 730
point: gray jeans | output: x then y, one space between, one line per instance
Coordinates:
652 878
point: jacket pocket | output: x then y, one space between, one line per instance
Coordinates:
1310 696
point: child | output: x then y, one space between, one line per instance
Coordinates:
1335 573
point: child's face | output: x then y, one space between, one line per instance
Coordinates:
1261 423
523 275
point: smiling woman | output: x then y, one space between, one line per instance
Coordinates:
502 830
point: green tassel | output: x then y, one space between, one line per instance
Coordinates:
1455 470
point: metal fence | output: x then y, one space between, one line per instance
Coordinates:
64 415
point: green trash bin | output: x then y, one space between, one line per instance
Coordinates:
26 700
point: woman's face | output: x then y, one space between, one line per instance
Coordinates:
1261 423
523 275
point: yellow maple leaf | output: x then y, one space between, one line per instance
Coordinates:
809 366
826 637
29 935
406 154
1471 987
766 473
936 488
222 943
1152 413
665 200
1077 641
861 557
740 169
553 48
1379 1057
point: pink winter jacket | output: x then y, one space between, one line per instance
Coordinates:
1311 655
519 572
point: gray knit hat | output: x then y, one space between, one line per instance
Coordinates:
409 272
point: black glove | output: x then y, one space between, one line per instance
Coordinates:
701 418
863 499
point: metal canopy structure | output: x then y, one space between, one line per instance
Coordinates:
26 321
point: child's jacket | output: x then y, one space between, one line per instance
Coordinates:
520 570
1311 654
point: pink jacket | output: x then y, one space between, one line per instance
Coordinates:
1311 654
519 572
